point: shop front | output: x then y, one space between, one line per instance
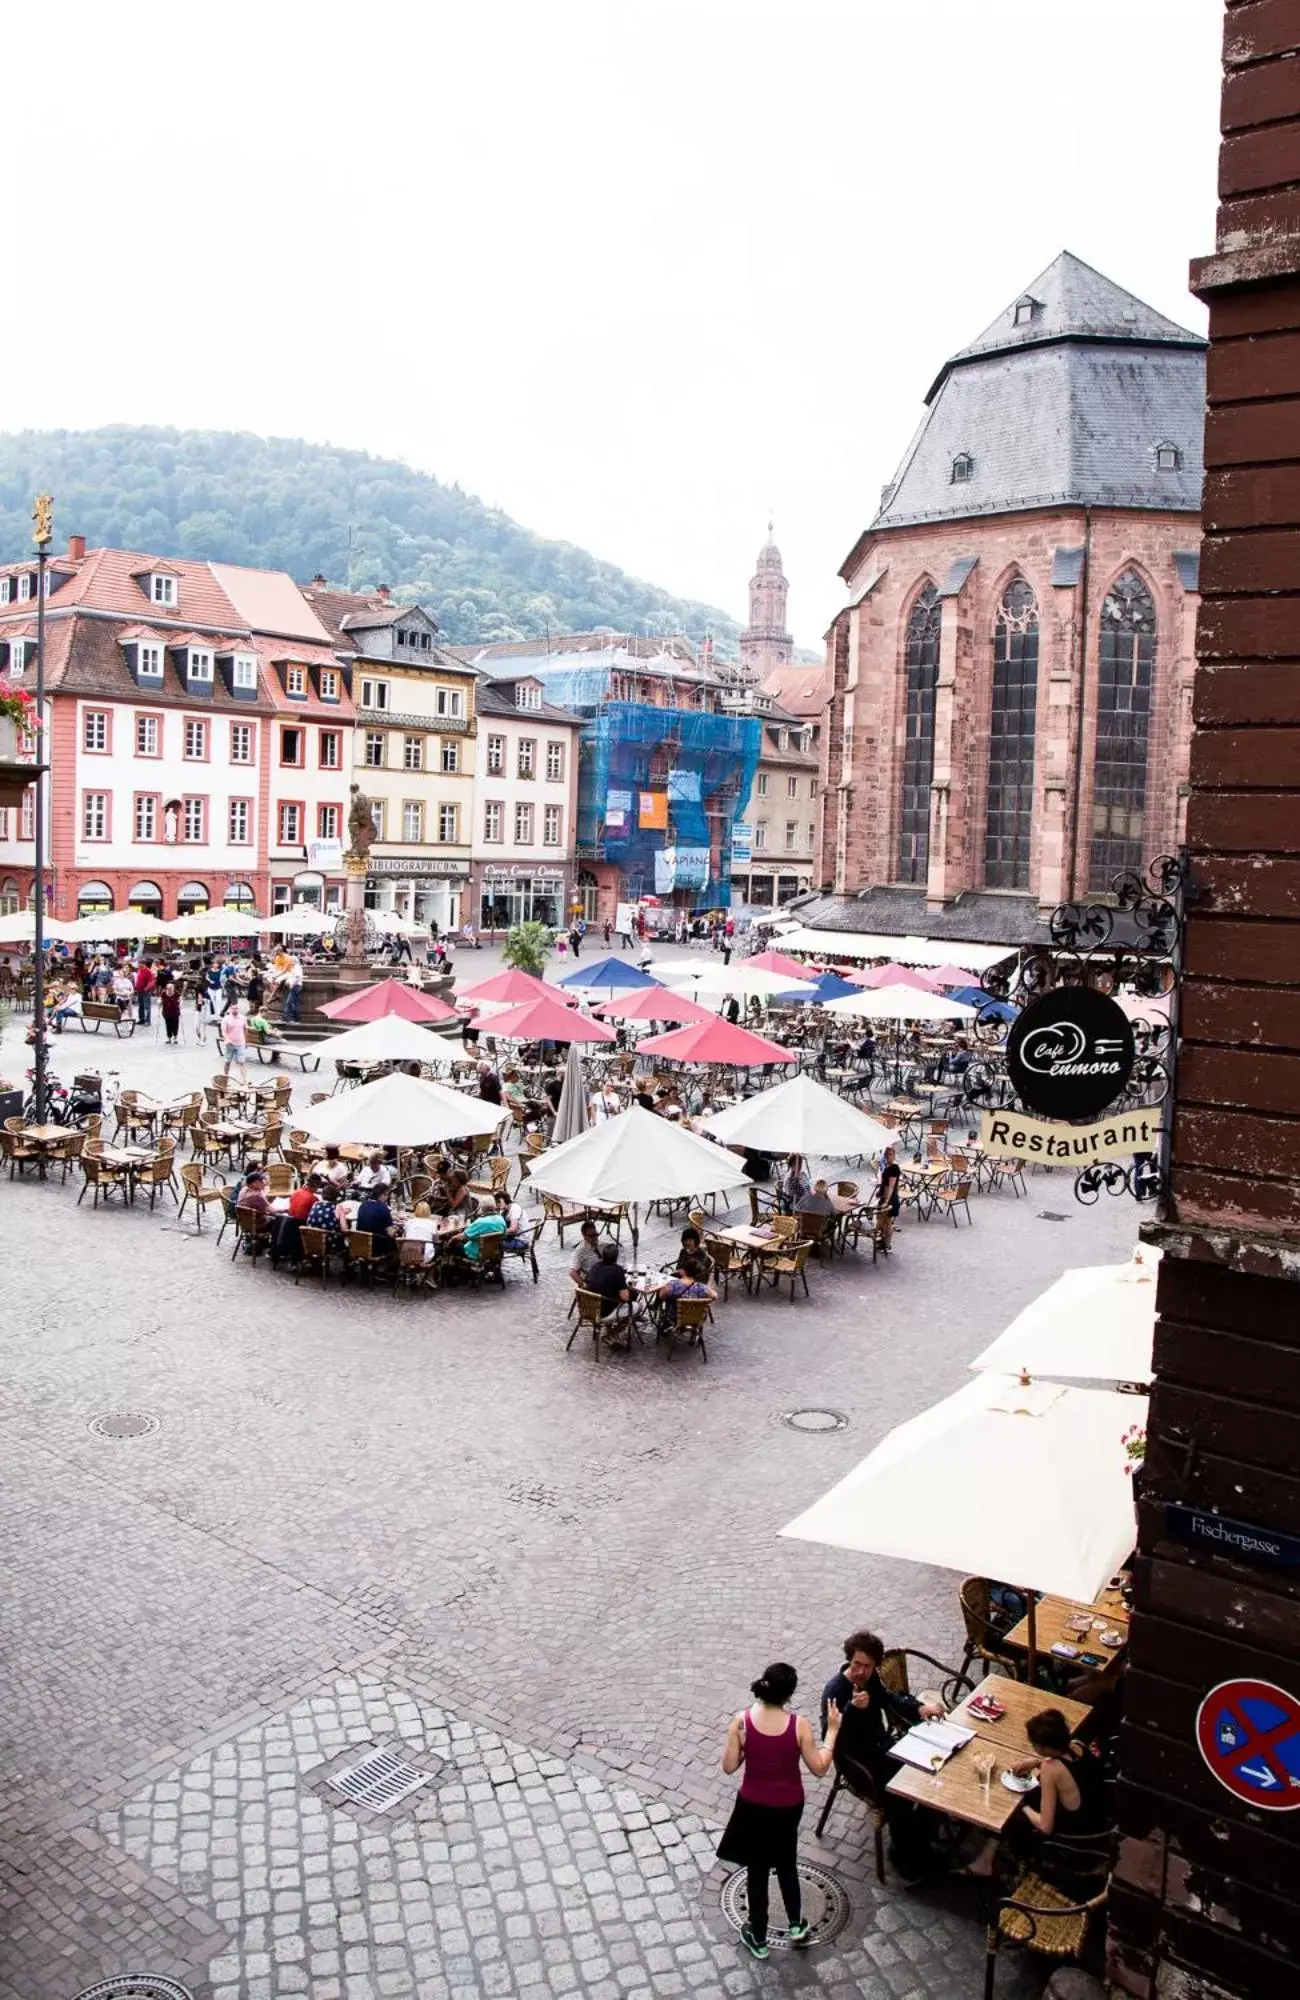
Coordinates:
145 897
519 893
427 891
94 899
192 899
239 896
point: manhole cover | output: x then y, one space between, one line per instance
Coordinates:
124 1424
136 1986
815 1420
378 1783
825 1905
1050 1215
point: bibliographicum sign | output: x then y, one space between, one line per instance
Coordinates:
1009 1134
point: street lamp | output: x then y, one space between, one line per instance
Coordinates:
43 519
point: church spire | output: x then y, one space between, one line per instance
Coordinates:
765 643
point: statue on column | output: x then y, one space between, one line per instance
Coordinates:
361 834
361 825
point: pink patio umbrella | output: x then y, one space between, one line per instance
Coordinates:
389 996
654 1003
510 988
777 961
543 1019
896 975
952 975
715 1041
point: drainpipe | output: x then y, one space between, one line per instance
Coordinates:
1083 688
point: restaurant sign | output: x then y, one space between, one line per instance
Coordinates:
1008 1134
1071 1052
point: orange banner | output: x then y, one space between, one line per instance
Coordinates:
654 811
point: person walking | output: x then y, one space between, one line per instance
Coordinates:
575 941
170 1002
762 1834
234 1041
145 981
292 1008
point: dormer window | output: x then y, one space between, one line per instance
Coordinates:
6 589
295 680
26 586
329 684
243 671
18 655
162 590
528 694
149 662
199 664
1025 310
963 468
1168 458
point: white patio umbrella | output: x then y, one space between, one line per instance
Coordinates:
1019 1480
391 1038
1096 1323
214 924
572 1115
899 1003
305 921
800 1116
633 1158
399 1110
392 924
19 927
119 924
743 982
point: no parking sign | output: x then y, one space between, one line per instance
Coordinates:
1249 1735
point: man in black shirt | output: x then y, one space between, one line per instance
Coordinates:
608 1278
870 1712
376 1216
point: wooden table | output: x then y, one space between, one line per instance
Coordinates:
1054 1613
1020 1702
956 1789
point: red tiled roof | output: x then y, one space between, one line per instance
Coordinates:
105 580
803 691
84 656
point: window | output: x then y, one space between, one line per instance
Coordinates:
329 684
94 730
792 788
413 821
7 908
146 816
413 753
528 694
27 815
374 748
241 822
244 671
200 665
327 823
449 701
162 590
449 823
1024 310
194 820
241 742
150 662
492 819
451 756
94 815
147 736
761 785
426 642
551 827
295 680
6 590
377 817
1013 723
921 658
18 655
374 694
290 825
26 586
760 835
1168 458
1126 662
291 747
527 756
555 761
496 755
963 468
812 788
405 638
791 835
331 750
196 742
523 825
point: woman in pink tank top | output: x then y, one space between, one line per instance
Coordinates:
763 1831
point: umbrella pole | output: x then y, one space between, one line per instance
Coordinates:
1033 1638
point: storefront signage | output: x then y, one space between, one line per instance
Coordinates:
1240 1541
1070 1053
326 854
1008 1134
1248 1733
518 868
415 864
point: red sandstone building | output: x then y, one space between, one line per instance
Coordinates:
1010 706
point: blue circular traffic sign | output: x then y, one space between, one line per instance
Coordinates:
1248 1732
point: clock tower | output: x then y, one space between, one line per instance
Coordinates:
765 644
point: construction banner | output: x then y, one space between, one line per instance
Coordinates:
654 811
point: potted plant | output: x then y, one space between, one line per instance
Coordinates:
17 736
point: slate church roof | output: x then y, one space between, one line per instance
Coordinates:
1066 399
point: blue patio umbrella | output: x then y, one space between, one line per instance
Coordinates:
609 975
827 986
986 1006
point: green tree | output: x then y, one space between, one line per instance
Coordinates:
526 948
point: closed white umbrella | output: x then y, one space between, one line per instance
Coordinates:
1019 1480
572 1115
399 1110
391 1038
800 1116
635 1157
899 1003
1096 1323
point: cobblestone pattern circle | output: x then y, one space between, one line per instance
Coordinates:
815 1420
124 1424
136 1986
825 1905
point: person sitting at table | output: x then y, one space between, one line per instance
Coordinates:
251 1193
866 1049
587 1254
375 1216
460 1202
608 1280
376 1176
870 1717
303 1198
489 1084
692 1246
643 1096
792 1184
513 1217
690 1281
479 1226
816 1202
323 1215
419 1227
1069 1798
335 1170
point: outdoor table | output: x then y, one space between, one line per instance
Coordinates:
130 1158
920 1180
1107 1612
756 1243
45 1138
956 1790
1020 1702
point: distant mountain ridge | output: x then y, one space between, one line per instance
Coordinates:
281 503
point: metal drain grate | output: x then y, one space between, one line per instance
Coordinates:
826 1906
136 1986
815 1420
380 1781
1051 1215
125 1424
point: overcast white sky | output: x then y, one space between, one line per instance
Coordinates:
633 270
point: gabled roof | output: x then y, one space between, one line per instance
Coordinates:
106 580
269 601
497 698
83 655
802 691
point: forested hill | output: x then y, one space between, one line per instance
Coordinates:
278 503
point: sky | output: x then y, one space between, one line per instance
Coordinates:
640 272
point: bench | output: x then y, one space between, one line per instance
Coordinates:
269 1050
94 1013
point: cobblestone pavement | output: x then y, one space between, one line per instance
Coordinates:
361 1519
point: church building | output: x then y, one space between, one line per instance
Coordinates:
1010 680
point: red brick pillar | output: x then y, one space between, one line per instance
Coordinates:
1205 1895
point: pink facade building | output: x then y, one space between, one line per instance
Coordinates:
1010 702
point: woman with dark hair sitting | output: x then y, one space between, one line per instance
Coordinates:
1070 1797
763 1831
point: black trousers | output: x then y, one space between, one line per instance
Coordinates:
787 1877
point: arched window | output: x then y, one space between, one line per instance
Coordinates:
1126 662
1012 721
191 898
146 896
8 897
94 899
921 659
238 896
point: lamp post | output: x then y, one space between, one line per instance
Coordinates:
43 519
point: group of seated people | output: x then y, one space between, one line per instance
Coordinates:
597 1267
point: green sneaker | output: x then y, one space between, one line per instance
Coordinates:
755 1946
798 1933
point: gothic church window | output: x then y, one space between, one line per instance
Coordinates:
1012 725
921 661
1126 664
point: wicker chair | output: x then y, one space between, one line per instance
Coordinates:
487 1267
721 1252
362 1256
761 1204
103 1178
314 1250
18 1151
860 1783
280 1178
414 1271
591 1313
1042 1918
251 1228
953 1198
498 1175
197 1192
687 1326
154 1174
983 1634
952 1685
792 1264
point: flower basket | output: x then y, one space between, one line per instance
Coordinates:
16 773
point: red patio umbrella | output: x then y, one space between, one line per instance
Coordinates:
952 975
545 1020
895 975
776 961
510 986
654 1003
389 996
715 1041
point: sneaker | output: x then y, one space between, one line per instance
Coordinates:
755 1946
798 1933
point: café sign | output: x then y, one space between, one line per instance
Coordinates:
1070 1053
1010 1135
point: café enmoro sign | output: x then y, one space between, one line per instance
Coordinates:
1070 1055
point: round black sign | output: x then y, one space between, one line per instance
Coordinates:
1070 1053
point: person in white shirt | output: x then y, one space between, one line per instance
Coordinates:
605 1103
419 1228
376 1177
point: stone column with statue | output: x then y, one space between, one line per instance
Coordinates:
356 862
